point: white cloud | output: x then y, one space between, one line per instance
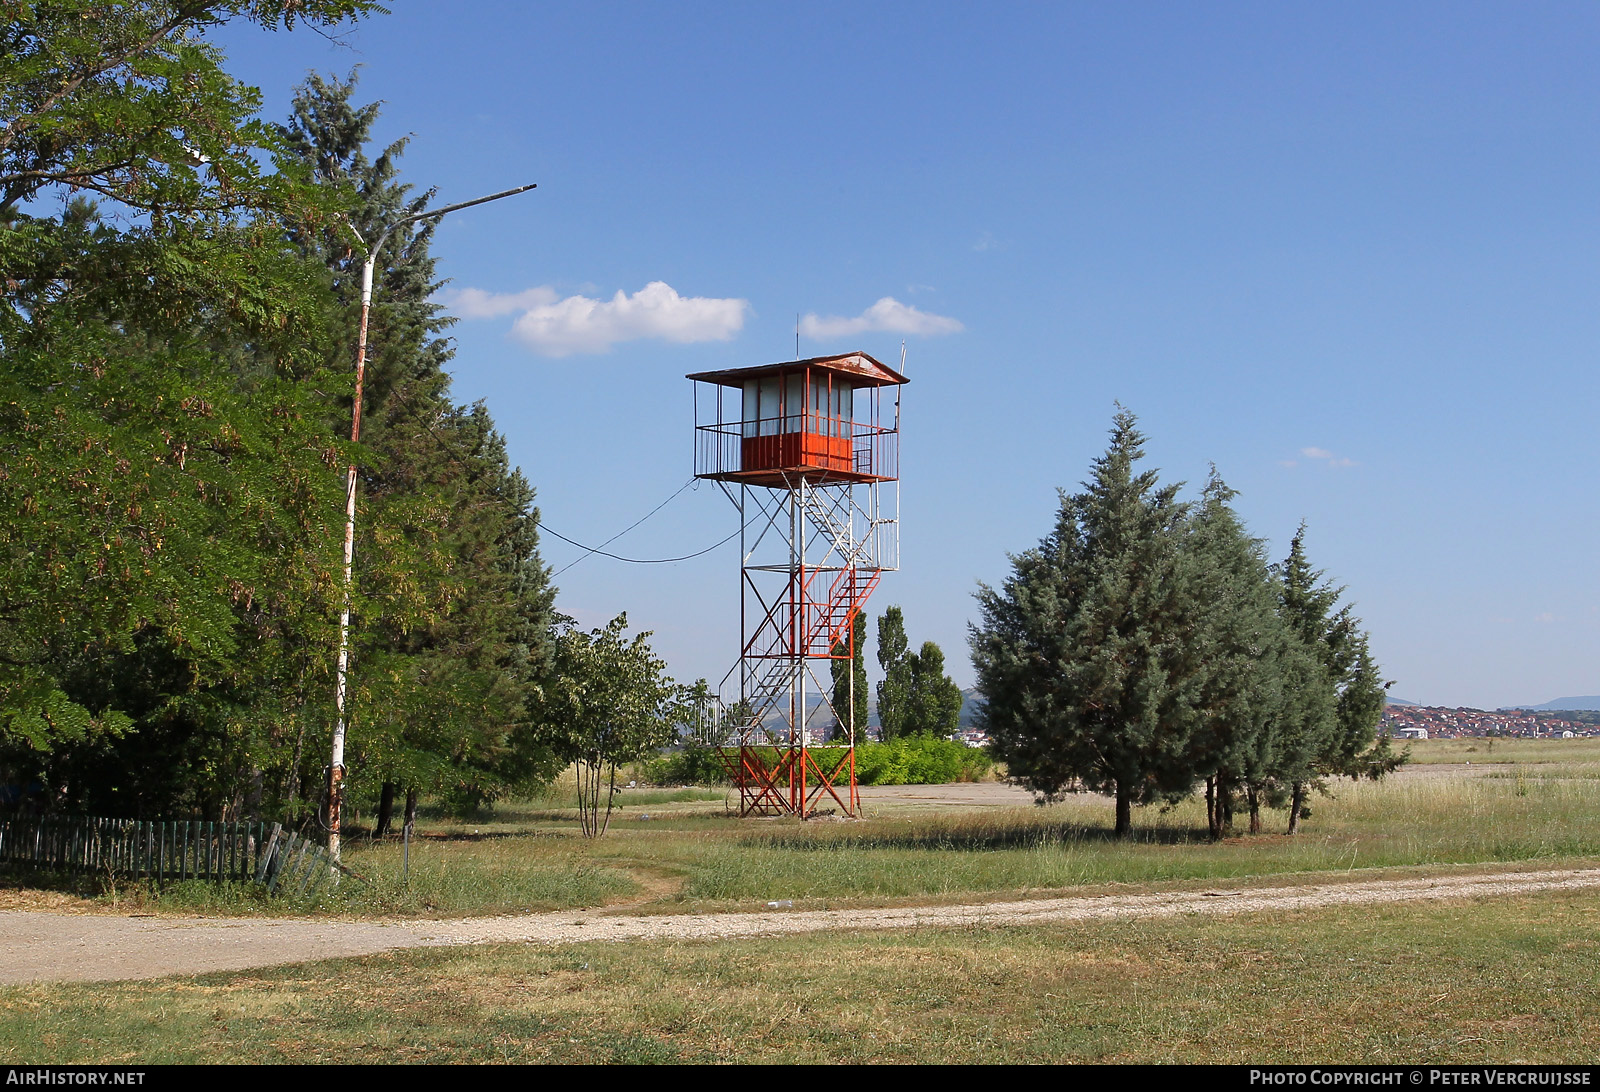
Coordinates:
888 315
476 303
1323 455
554 326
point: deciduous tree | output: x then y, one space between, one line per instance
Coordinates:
608 700
894 689
849 676
933 703
166 503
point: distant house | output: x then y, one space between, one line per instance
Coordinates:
1411 733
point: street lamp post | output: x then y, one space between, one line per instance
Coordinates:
336 767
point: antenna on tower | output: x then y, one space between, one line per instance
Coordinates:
797 335
897 393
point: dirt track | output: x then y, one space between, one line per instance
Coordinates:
37 946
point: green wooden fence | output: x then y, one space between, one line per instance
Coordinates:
241 852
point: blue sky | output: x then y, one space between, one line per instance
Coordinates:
1348 253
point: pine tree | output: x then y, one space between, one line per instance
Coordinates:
1085 654
454 604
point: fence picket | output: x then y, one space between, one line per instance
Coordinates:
164 850
280 861
311 869
264 860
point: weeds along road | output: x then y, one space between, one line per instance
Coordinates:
40 947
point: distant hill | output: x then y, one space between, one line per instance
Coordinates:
1560 704
1397 701
971 702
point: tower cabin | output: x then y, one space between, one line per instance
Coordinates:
819 420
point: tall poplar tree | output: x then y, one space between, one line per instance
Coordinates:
894 689
849 676
933 700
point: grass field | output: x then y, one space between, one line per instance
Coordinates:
690 855
1509 979
1480 750
1496 980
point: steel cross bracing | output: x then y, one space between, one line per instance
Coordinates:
812 552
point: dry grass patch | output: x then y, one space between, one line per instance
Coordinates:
1506 979
690 856
1481 749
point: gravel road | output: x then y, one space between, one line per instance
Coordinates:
37 946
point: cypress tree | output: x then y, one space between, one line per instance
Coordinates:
455 603
1345 741
1264 697
1085 653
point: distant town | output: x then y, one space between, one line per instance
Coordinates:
1403 720
1438 722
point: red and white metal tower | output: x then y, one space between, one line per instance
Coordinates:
808 452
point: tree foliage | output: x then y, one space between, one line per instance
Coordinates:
933 703
1145 646
915 696
176 382
894 689
126 99
1264 699
848 669
165 463
454 604
1346 741
1084 655
608 701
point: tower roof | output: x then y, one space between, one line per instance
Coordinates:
861 369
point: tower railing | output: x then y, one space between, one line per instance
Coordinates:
874 451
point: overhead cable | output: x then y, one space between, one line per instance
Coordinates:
448 448
589 551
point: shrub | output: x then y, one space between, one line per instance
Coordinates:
920 760
691 765
910 760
